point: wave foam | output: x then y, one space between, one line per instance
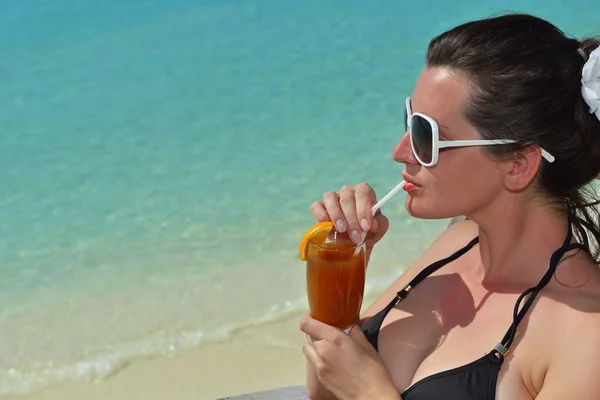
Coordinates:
108 363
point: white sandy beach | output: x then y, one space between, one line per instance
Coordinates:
257 358
261 356
246 363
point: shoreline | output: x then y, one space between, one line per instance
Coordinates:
255 359
251 358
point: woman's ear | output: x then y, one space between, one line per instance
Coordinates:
522 169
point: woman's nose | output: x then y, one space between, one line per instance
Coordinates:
402 153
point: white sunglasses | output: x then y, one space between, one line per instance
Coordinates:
426 144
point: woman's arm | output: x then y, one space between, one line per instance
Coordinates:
574 365
314 389
345 364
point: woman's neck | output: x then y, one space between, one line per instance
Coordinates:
516 245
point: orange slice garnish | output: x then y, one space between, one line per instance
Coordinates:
316 229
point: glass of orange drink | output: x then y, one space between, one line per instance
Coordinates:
335 275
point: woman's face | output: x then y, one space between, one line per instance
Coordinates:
464 181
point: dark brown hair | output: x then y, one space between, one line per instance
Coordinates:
527 87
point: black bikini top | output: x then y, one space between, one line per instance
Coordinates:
475 380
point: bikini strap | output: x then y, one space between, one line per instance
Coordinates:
502 348
401 295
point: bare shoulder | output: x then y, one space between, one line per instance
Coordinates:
572 370
454 237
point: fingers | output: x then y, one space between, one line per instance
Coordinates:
349 210
365 199
309 351
380 224
313 328
348 205
319 211
331 201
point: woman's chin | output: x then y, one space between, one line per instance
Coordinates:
425 210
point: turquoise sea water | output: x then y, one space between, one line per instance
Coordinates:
158 159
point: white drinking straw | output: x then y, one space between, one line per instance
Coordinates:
383 200
388 196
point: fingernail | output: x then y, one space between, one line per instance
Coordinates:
340 225
355 236
375 225
365 224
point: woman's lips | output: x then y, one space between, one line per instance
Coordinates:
409 187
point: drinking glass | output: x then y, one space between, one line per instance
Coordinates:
335 278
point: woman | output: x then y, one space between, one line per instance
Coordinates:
506 304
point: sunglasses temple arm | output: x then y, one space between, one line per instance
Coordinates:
460 143
549 157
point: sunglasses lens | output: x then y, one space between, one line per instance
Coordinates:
422 138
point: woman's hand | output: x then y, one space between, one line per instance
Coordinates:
347 365
350 210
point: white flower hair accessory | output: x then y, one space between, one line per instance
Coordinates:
590 81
